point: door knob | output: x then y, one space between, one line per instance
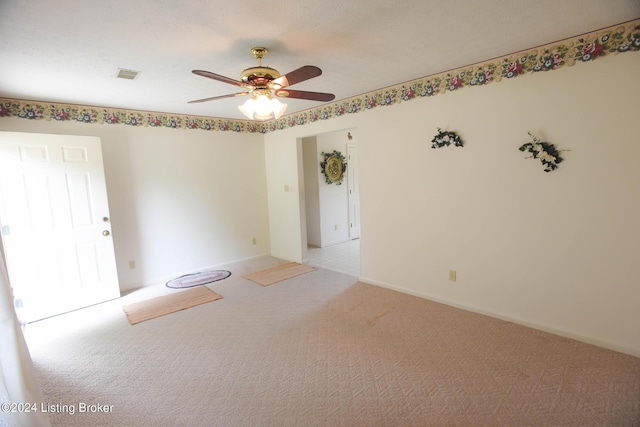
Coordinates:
105 218
105 233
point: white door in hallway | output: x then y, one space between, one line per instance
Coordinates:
354 191
56 229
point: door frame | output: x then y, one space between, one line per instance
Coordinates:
351 178
303 193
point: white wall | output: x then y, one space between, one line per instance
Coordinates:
285 192
180 200
311 190
558 251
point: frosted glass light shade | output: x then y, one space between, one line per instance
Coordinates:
262 107
278 108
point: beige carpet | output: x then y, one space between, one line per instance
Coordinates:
159 306
322 349
279 273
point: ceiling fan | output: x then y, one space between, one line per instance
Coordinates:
263 83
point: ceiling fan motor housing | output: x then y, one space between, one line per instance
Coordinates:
259 76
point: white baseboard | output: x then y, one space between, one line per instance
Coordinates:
534 325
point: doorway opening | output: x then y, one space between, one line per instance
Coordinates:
331 211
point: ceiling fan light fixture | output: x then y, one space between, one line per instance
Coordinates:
278 108
263 83
247 108
262 107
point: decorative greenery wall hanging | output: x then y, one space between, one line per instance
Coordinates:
446 138
333 167
546 152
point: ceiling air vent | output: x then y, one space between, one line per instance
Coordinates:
127 74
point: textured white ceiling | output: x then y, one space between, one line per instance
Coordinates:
70 51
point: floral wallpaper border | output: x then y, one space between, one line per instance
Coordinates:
585 48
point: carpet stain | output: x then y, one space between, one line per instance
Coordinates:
373 321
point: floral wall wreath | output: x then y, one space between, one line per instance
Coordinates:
333 167
547 153
446 138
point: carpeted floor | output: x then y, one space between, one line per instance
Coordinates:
322 349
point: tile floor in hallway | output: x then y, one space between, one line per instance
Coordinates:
341 257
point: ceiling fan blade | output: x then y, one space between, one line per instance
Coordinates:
218 77
296 76
302 94
231 95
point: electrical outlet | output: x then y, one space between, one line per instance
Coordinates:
336 227
132 264
452 275
254 240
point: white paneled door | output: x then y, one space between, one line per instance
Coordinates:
56 229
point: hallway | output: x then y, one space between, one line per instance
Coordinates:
342 257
